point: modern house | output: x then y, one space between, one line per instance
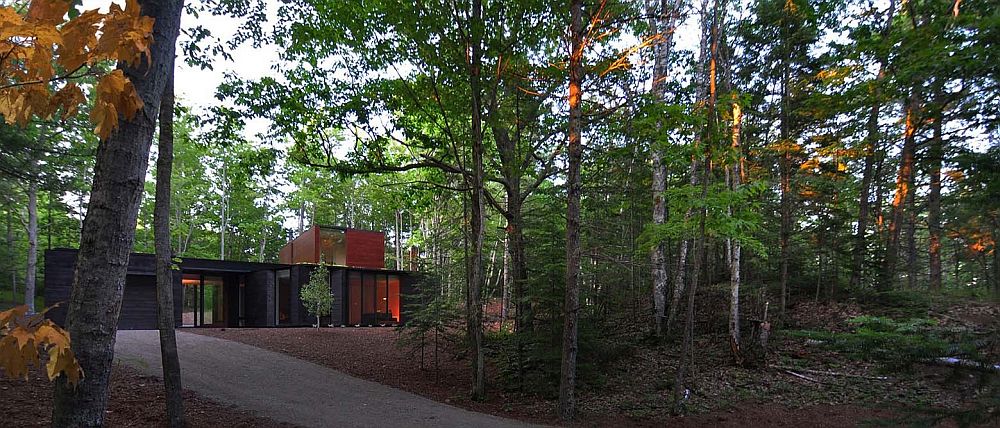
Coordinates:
222 293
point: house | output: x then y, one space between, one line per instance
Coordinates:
223 293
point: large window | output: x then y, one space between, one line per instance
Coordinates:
373 298
332 247
204 302
283 297
354 297
394 298
213 303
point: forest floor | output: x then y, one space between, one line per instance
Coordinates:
804 385
136 401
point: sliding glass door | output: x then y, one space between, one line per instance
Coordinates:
373 298
204 303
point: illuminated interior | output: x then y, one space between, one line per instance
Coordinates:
332 247
204 302
373 298
283 296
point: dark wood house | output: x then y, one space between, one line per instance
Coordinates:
219 293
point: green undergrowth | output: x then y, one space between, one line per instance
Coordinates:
891 343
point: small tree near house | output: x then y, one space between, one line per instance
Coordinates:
315 295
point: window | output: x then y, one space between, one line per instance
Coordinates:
394 298
332 247
213 302
283 297
354 294
382 315
368 300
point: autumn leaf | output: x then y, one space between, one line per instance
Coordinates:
68 99
115 97
21 338
44 53
48 12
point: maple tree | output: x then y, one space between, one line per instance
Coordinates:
44 58
21 337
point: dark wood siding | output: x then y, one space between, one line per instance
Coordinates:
59 266
138 303
138 299
258 296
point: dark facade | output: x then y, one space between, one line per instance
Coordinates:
216 293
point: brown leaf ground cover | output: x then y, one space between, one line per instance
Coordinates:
637 391
136 401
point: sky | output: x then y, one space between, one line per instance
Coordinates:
194 87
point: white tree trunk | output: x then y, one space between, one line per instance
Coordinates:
32 229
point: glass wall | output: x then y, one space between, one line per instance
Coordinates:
191 302
373 298
354 297
332 247
213 303
283 296
203 301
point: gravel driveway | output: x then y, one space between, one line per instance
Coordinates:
291 390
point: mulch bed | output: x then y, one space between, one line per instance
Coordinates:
136 401
374 354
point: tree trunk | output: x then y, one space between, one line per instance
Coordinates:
164 263
662 23
735 249
871 141
10 257
571 305
223 214
397 240
474 307
785 232
903 181
911 237
31 267
109 231
700 241
936 158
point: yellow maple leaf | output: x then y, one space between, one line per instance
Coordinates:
79 38
21 337
48 11
68 99
115 97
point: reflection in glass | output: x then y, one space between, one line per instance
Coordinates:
283 293
332 247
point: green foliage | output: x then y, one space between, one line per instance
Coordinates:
433 317
316 295
894 344
733 214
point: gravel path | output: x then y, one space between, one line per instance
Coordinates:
291 390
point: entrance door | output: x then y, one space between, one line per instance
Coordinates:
204 302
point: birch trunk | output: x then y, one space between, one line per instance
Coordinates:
663 23
31 268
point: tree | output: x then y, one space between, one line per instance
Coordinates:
663 22
165 267
316 295
109 227
571 305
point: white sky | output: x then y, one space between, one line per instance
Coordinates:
195 87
